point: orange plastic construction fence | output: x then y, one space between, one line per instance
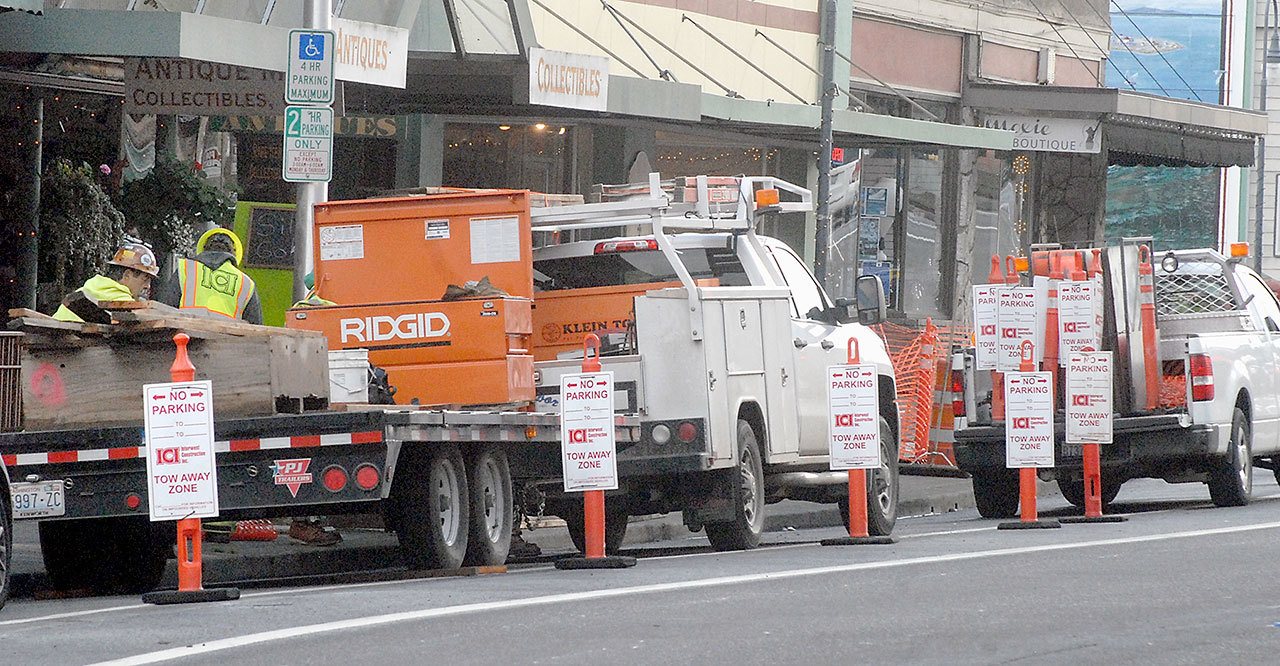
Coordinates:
922 364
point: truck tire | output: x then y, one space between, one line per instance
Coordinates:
1231 481
492 507
995 492
105 555
433 508
1073 490
6 544
882 488
615 527
746 491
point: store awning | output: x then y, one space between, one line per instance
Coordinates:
800 122
1138 129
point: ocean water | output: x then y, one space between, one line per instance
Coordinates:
1177 206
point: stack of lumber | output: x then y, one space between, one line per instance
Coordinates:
77 375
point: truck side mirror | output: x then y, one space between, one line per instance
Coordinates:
869 297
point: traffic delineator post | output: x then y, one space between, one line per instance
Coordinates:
859 534
1092 455
1027 475
593 500
190 567
1147 309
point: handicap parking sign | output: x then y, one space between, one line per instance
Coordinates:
311 46
309 79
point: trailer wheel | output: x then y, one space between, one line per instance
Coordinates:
1231 482
492 507
6 545
105 555
433 509
882 488
1073 490
995 492
615 527
747 495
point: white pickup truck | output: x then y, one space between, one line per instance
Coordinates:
1218 346
721 341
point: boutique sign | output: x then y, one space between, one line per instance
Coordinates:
1051 135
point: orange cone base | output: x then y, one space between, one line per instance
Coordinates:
1042 524
860 541
165 597
606 562
1093 519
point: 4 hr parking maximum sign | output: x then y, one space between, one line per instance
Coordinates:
308 144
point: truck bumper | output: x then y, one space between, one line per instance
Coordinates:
1143 446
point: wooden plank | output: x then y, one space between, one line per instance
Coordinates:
51 326
18 313
128 305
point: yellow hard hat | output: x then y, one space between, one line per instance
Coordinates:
219 231
137 256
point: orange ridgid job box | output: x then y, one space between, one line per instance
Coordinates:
386 263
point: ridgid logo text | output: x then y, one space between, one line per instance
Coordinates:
423 325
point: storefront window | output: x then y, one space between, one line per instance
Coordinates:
523 156
995 225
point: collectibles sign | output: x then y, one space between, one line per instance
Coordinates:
182 477
178 86
1028 438
1021 311
1053 135
588 453
986 324
1089 398
1079 323
853 424
568 80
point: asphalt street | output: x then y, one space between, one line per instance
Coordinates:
1180 582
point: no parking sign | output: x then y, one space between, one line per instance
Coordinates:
588 452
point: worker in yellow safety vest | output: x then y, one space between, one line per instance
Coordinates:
127 277
212 280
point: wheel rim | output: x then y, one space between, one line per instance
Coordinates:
446 500
491 496
751 500
1244 464
881 488
4 553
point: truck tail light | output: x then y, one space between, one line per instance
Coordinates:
367 477
613 247
1201 378
687 432
957 392
334 478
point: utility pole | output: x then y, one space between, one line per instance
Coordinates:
27 208
316 15
822 235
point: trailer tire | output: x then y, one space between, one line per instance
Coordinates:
882 488
433 508
6 543
746 491
995 492
1231 482
615 527
1073 490
105 555
492 507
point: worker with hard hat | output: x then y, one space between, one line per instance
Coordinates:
127 277
213 282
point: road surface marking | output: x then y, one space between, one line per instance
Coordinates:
575 597
62 616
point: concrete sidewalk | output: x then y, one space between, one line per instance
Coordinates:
366 550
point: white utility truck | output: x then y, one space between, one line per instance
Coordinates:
1208 411
724 359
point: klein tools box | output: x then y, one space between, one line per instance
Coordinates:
387 264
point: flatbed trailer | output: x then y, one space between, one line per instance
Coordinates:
442 479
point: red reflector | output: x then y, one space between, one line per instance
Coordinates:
334 478
1201 378
957 392
133 501
687 432
367 477
610 247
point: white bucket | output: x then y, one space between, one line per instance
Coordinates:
348 375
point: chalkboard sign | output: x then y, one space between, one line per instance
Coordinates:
270 241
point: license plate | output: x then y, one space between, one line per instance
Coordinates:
1070 450
38 500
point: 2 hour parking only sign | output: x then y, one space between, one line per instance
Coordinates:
308 144
182 477
588 451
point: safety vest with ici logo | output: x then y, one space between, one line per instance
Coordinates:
223 290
